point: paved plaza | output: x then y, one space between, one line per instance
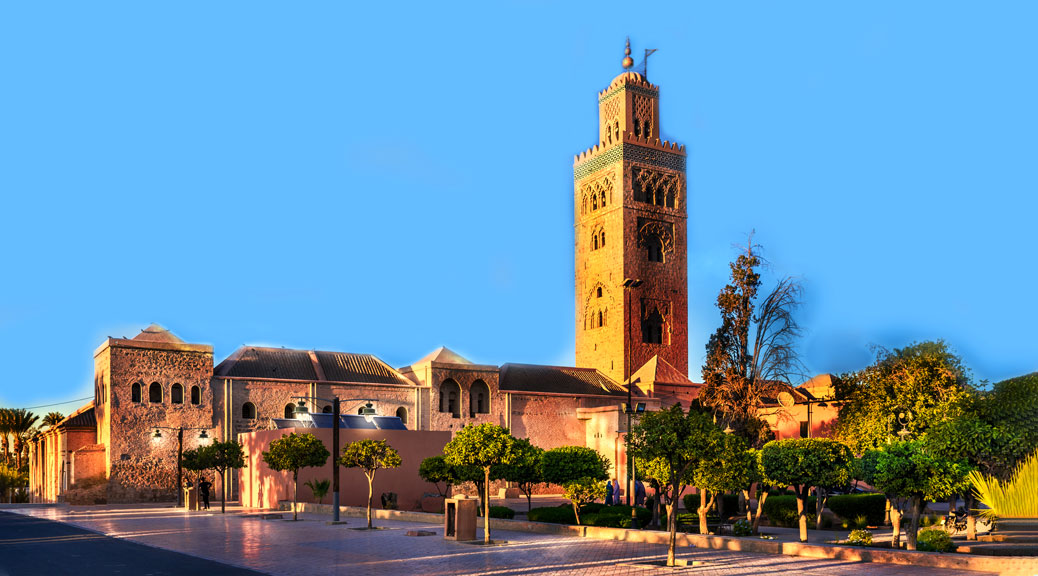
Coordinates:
310 546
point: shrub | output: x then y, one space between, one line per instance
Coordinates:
554 514
934 540
860 537
782 510
614 516
850 506
742 528
502 512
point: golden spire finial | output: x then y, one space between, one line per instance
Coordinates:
628 61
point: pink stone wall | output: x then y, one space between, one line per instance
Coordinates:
261 487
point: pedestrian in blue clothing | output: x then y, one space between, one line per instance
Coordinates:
609 493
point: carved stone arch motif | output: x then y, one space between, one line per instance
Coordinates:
654 231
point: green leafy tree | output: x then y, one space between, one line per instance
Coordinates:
52 419
910 476
436 470
1011 407
370 456
731 469
223 457
292 452
741 373
925 382
6 428
525 469
196 461
803 463
22 422
579 470
319 488
679 442
657 473
485 446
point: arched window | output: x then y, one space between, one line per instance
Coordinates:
637 127
603 194
479 398
135 392
594 242
653 329
155 393
401 413
450 398
601 242
599 318
598 292
609 135
290 410
655 249
616 129
594 201
176 394
327 409
196 395
248 411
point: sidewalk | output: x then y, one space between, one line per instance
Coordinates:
311 546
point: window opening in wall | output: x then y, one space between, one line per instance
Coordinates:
655 248
176 394
598 292
450 398
155 393
479 398
803 430
327 409
594 242
616 130
401 413
248 411
602 241
594 201
637 127
290 411
196 395
653 330
135 392
599 318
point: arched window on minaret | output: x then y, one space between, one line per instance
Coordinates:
616 130
594 201
637 127
654 245
601 242
599 318
654 329
594 242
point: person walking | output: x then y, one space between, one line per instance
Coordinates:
203 491
609 493
639 493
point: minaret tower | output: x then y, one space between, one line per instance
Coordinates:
630 216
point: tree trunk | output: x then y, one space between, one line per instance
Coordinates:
886 514
576 511
295 493
760 510
486 506
821 496
529 501
971 517
672 525
370 493
704 509
802 512
895 521
223 494
745 496
913 526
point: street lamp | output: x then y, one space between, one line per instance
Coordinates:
628 285
180 453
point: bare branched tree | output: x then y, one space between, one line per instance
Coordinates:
741 373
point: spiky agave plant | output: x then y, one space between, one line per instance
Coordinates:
1017 498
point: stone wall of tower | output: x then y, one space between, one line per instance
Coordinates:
631 187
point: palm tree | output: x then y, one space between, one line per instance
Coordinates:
6 419
52 418
21 425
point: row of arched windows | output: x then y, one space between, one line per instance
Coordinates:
450 398
596 196
597 239
248 411
612 131
656 189
176 393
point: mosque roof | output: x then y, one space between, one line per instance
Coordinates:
256 362
444 355
558 380
659 371
156 333
82 418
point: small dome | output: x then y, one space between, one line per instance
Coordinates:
627 76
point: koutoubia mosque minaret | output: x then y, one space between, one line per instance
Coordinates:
630 216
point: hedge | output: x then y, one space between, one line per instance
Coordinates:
502 512
850 506
782 510
590 515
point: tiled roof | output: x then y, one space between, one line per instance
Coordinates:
82 418
558 380
445 355
156 333
317 366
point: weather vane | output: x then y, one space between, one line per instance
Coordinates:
628 62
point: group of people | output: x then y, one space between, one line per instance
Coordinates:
613 493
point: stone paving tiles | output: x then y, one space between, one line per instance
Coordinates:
309 546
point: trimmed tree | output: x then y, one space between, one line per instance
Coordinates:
680 442
911 476
485 446
525 469
579 470
370 456
222 457
194 460
435 469
292 452
732 469
801 463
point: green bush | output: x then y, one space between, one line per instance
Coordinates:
782 510
934 540
742 528
860 537
502 512
562 514
849 506
615 517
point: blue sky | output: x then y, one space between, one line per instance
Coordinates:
389 178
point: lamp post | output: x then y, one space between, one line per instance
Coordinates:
821 402
629 284
180 453
367 411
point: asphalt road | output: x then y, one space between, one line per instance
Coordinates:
36 547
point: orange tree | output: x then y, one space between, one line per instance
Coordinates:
579 470
293 452
370 456
483 446
801 463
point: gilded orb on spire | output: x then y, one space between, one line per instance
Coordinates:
628 61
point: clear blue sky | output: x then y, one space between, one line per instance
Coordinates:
391 177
